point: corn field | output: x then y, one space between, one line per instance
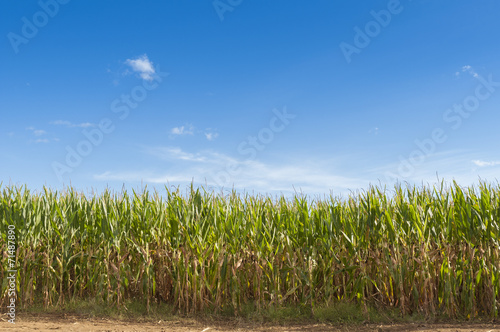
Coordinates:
429 250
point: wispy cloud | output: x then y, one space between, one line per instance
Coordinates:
143 66
482 163
467 69
72 125
207 167
182 130
39 132
216 170
211 135
142 176
173 153
36 132
41 136
449 165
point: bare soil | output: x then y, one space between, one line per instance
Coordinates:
60 322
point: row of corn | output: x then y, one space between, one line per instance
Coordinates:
429 250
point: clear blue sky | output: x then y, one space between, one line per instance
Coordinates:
265 96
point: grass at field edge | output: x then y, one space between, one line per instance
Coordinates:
342 313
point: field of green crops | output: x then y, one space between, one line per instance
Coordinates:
428 250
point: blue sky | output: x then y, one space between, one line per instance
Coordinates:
263 96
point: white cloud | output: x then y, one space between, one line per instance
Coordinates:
171 153
145 176
482 163
182 130
143 66
72 125
210 168
36 132
470 70
211 136
458 165
39 132
61 123
339 175
190 130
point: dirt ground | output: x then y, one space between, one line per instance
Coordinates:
69 323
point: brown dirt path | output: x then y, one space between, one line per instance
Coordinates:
73 323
